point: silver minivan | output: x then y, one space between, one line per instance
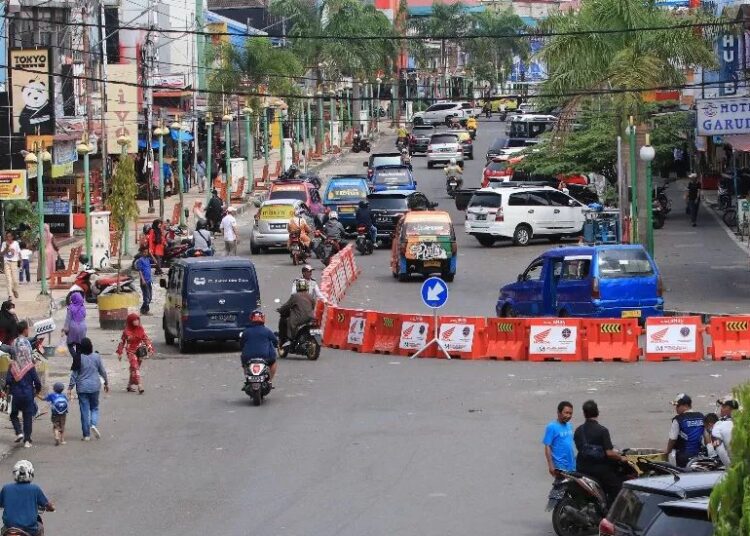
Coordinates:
443 147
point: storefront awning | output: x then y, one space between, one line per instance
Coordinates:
739 142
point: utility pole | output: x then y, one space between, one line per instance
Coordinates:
148 73
103 93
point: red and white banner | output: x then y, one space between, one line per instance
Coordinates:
356 330
413 335
546 339
457 337
677 338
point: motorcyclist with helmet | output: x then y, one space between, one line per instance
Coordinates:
298 225
402 137
296 312
202 237
455 171
259 342
405 158
334 230
21 502
364 217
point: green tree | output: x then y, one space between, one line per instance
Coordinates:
730 498
489 53
450 22
122 198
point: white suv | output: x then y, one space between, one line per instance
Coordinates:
443 147
522 212
442 112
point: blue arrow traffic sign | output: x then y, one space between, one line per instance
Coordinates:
434 292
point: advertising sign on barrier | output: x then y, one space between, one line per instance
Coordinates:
675 338
413 335
356 330
553 340
457 337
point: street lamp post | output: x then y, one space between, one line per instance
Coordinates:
123 142
647 154
250 148
209 155
377 105
84 149
321 126
266 148
178 127
308 138
161 131
394 89
41 156
633 184
278 107
332 113
227 119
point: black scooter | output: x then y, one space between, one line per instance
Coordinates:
360 144
306 342
364 243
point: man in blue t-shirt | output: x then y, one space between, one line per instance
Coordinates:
143 265
21 501
558 441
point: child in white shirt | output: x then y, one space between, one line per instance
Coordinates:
26 254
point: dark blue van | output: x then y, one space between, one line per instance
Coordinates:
614 281
208 299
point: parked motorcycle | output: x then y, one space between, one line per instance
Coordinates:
297 250
257 380
306 342
91 285
661 197
360 144
658 215
364 243
453 183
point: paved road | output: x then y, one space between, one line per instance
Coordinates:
351 444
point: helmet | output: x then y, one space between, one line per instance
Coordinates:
307 268
403 150
200 224
23 471
257 317
302 285
333 215
453 161
83 259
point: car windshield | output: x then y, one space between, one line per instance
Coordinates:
386 161
211 281
430 228
392 176
346 191
486 200
634 509
388 203
614 263
444 138
497 166
672 525
276 212
288 194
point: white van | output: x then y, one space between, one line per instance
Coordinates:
521 213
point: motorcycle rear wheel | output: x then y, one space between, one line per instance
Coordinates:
257 397
565 527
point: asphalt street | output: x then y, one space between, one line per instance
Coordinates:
351 444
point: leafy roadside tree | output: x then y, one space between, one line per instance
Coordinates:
730 498
450 22
489 54
122 199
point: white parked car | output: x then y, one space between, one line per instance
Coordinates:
521 213
442 112
443 147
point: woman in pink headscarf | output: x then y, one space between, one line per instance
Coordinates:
50 253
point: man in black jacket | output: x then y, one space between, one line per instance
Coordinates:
364 217
213 212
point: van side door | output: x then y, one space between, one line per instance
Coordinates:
574 286
529 290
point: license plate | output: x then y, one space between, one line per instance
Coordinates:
347 210
445 150
453 183
481 217
431 264
278 226
383 219
631 314
223 318
255 379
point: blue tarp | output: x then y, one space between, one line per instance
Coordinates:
142 144
182 136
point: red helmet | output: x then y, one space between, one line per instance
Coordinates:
257 317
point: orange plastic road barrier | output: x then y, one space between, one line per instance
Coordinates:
416 330
675 337
730 337
555 339
507 339
611 339
464 337
386 333
348 329
320 307
351 263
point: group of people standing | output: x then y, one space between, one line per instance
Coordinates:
690 434
16 259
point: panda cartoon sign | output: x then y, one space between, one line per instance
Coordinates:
33 103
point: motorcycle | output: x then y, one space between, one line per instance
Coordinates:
364 243
658 215
452 183
472 133
257 380
306 342
661 197
297 251
360 144
91 286
402 143
328 248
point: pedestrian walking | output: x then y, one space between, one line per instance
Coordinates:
10 251
229 226
23 383
137 346
50 253
143 265
558 441
213 211
156 241
693 198
75 328
88 385
25 272
58 404
200 172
